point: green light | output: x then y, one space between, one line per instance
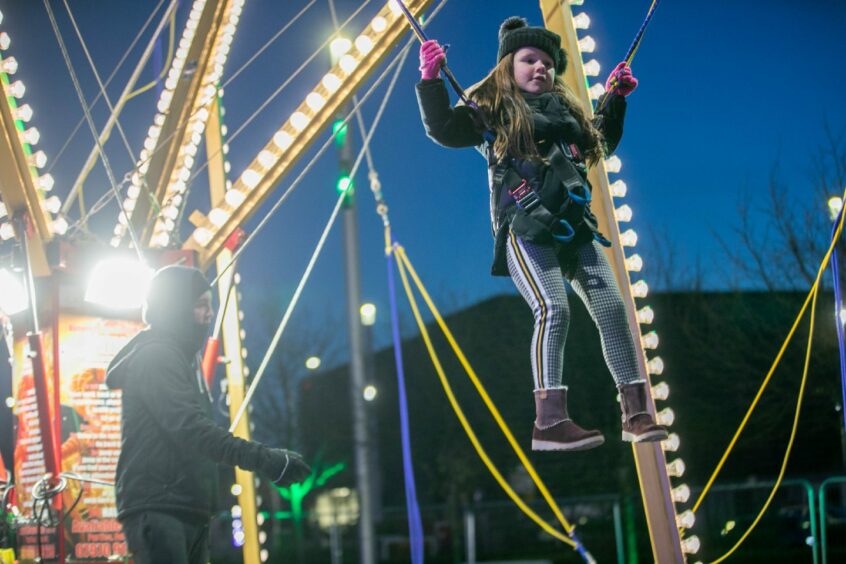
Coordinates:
345 184
339 129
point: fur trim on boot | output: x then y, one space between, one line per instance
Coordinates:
638 423
554 430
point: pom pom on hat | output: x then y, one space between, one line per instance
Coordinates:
515 33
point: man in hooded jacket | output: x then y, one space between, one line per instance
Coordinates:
170 447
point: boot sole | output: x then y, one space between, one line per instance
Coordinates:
584 444
650 437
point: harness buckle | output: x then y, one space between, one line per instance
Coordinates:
524 196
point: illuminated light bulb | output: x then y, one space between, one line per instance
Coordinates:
672 443
691 545
681 493
315 101
155 131
592 68
656 366
262 537
115 242
379 24
348 63
184 174
299 121
835 204
244 356
234 198
596 91
9 65
618 189
312 363
628 238
613 164
59 226
150 144
46 182
6 231
191 150
282 139
17 89
640 289
122 218
24 113
331 82
53 204
162 105
581 21
394 6
224 130
686 520
31 136
665 417
159 120
250 178
634 263
236 511
202 236
129 204
38 159
171 83
167 96
340 46
188 161
144 166
623 213
169 225
170 212
133 191
645 315
650 340
2 210
587 44
218 217
264 555
5 41
364 44
227 166
266 158
369 393
676 468
661 390
1 17
161 240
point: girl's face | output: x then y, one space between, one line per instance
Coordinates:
533 70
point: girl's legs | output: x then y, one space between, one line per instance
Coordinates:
538 277
594 282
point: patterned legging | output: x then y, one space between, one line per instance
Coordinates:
539 278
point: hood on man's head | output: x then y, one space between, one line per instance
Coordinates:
173 292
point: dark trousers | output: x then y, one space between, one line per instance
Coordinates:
159 538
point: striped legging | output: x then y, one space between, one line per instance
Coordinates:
539 278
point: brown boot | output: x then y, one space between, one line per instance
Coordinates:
554 430
638 424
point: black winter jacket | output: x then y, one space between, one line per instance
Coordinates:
458 127
170 445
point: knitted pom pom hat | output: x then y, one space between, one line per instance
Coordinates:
515 33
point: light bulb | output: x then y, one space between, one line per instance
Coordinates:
6 231
640 289
676 468
592 68
628 238
379 24
17 89
596 91
340 46
587 44
672 443
613 164
666 417
331 82
266 158
53 204
250 178
618 189
234 198
282 140
59 226
681 493
348 63
634 263
9 65
315 101
655 366
394 6
299 121
218 217
661 390
2 210
581 21
24 113
45 182
364 44
5 41
202 236
39 159
686 520
690 545
645 315
650 340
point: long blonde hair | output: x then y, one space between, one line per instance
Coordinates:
499 97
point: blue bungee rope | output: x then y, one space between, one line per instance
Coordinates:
415 526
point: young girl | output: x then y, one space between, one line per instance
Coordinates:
544 230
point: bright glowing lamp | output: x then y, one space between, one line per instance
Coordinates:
119 283
13 296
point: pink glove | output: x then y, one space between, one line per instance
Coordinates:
621 80
432 58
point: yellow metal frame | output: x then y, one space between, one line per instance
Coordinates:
649 458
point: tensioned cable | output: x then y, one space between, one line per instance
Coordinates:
108 81
90 121
260 373
97 77
171 42
162 142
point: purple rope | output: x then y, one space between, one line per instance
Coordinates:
838 306
415 526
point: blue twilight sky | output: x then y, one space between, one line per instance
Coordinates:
726 89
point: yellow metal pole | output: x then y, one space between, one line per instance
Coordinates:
651 464
231 337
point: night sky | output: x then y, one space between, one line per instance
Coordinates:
727 90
